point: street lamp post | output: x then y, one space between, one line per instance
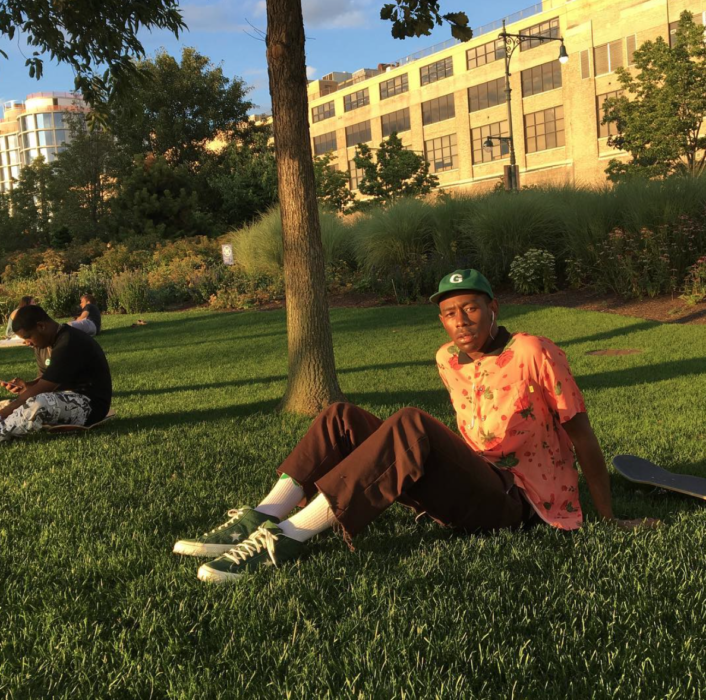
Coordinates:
511 42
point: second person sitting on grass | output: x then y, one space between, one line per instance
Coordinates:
89 320
521 415
73 386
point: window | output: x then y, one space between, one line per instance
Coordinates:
394 86
29 140
436 71
355 175
437 110
487 53
500 149
544 129
395 121
442 153
358 133
62 136
585 65
322 144
486 95
46 138
541 78
605 130
44 121
356 99
58 120
608 57
674 26
631 45
28 122
321 112
549 29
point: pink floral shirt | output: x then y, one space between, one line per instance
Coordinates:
509 407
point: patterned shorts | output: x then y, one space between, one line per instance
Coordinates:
51 408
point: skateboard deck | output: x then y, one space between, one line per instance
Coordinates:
78 428
642 471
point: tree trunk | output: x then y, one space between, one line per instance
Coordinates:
312 382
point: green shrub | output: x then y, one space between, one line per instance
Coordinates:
534 272
58 293
506 225
649 261
240 290
129 292
257 248
451 217
695 282
92 281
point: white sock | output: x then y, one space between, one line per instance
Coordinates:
282 499
309 521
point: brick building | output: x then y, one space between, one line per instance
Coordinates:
446 101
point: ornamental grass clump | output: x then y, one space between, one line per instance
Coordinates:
58 293
534 272
695 282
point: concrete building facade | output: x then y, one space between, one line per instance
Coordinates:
446 101
32 128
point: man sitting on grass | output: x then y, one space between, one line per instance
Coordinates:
521 416
89 321
73 386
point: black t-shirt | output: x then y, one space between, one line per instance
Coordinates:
94 314
77 363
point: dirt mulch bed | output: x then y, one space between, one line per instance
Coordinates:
665 309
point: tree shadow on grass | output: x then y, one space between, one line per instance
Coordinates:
613 333
646 374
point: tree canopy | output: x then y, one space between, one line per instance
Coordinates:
661 123
393 171
97 39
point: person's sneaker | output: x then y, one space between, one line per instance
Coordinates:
267 546
243 521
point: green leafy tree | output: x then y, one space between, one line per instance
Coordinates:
393 171
158 199
312 381
30 203
332 185
97 39
243 179
662 126
177 108
85 179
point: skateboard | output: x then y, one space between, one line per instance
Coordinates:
642 471
78 428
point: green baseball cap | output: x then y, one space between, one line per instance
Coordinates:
462 280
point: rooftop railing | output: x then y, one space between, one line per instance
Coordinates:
485 29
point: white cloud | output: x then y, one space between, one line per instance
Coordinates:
212 17
333 14
310 72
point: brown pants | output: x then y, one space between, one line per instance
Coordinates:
362 465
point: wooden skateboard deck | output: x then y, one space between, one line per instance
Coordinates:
78 428
642 471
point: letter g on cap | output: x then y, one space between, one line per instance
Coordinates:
455 279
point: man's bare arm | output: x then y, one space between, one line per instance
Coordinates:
39 386
592 462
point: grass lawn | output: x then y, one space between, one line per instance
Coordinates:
93 604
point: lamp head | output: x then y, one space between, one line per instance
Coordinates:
488 143
563 55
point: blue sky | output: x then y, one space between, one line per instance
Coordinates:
341 35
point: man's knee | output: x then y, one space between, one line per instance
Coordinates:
338 409
408 414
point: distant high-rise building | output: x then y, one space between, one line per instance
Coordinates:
32 128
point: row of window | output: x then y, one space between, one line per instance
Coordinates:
606 59
399 122
543 130
30 122
436 71
54 137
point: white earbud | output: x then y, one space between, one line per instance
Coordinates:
492 323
